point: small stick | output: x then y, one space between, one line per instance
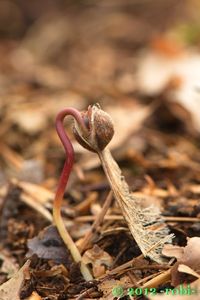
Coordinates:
158 280
121 268
120 218
85 204
97 222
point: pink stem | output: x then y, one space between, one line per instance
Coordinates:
62 185
68 149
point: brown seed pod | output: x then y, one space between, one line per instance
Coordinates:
100 129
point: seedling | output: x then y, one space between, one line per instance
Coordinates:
146 225
94 129
62 185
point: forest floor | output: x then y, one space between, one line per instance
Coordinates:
146 77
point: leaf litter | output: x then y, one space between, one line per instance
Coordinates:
156 144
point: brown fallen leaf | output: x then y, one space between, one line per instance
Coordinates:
10 290
185 269
30 121
40 193
54 271
180 72
35 196
123 117
49 245
173 251
188 256
99 260
146 225
111 287
8 263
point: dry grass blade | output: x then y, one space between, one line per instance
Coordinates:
147 226
11 288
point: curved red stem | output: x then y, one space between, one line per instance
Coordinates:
62 185
69 153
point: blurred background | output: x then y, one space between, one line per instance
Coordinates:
135 58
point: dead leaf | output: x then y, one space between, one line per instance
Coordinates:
40 193
10 290
50 32
127 120
149 240
49 245
173 251
54 271
185 269
111 287
35 196
99 260
184 68
188 256
8 264
30 121
191 256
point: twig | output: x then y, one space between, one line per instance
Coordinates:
81 207
97 222
120 218
158 280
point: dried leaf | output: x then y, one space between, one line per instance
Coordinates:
173 251
146 225
10 290
49 245
35 196
110 286
188 256
54 271
123 117
99 260
182 68
37 206
185 269
50 33
30 121
40 193
8 264
191 256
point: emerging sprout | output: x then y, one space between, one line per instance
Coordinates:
94 130
142 222
100 129
62 185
